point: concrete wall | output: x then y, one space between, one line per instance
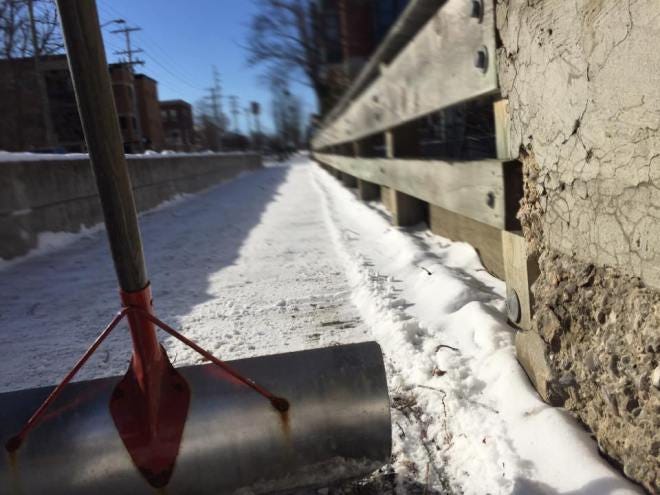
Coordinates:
582 82
60 195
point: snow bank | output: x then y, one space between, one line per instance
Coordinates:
7 156
466 416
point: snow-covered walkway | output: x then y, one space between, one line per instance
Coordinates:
285 258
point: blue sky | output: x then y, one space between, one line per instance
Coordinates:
183 39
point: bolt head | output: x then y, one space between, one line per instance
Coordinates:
477 9
481 59
513 305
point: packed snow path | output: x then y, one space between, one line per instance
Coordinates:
285 259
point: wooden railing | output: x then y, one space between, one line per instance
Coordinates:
423 128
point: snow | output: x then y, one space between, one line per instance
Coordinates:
440 318
285 258
23 156
10 157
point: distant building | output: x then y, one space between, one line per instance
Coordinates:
22 125
178 125
349 32
22 115
123 88
151 123
385 14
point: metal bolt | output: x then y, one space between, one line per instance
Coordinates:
481 59
477 10
512 305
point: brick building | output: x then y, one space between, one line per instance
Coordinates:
178 125
349 32
123 88
151 123
22 124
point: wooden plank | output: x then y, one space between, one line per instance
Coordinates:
435 70
475 189
520 270
501 112
414 16
386 197
389 144
487 240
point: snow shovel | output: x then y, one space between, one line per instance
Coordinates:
256 425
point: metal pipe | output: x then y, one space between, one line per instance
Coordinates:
338 427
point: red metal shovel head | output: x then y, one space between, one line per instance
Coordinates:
151 423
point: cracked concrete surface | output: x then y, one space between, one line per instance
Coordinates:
582 79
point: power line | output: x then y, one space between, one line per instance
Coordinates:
176 69
162 66
150 43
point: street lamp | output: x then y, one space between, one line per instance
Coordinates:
113 21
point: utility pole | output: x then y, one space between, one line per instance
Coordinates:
233 102
131 62
215 100
51 140
256 110
249 127
129 51
248 120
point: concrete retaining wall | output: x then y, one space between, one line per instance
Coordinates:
582 82
60 195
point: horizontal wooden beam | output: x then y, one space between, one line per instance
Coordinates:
485 239
476 189
451 59
413 17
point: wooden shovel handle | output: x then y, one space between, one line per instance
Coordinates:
96 105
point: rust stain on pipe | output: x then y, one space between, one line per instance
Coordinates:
16 484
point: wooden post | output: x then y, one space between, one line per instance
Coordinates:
348 180
521 270
389 144
368 191
96 105
407 210
386 197
501 112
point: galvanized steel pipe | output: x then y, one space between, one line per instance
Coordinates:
338 427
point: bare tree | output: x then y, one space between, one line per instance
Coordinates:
29 28
13 22
287 114
284 35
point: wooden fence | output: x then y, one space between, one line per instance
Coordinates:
423 128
